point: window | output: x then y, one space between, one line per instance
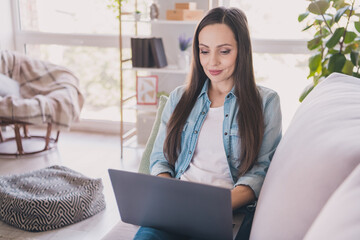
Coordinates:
81 35
275 19
279 46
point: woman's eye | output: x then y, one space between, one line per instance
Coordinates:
204 52
225 51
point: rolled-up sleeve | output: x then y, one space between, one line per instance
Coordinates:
158 162
254 178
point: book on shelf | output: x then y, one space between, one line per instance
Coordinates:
136 51
148 57
133 52
158 52
148 52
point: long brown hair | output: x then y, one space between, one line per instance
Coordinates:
250 114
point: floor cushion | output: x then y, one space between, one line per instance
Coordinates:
320 148
49 198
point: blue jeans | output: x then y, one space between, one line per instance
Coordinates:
148 233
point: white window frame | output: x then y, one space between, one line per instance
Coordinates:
22 37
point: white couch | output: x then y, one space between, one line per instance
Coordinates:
312 188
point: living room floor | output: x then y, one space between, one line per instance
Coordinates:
89 154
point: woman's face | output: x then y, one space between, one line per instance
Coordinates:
218 52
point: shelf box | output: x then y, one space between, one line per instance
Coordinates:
184 14
189 5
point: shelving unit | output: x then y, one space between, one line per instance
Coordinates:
170 76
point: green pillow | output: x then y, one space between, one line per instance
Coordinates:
145 160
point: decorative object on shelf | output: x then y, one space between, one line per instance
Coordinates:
336 40
185 12
137 15
154 10
184 56
146 90
148 52
184 60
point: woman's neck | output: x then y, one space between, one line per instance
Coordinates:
217 94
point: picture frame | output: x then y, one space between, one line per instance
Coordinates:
146 90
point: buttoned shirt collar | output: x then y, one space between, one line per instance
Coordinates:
206 87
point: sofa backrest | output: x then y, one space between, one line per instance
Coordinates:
319 150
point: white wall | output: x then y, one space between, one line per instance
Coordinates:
6 26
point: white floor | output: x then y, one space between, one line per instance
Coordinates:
89 154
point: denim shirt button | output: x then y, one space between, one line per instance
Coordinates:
195 132
226 115
225 133
228 156
203 113
189 152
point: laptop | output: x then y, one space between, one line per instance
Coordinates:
185 208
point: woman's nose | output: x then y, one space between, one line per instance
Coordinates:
214 59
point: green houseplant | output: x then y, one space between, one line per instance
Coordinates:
335 26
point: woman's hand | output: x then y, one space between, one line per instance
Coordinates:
241 195
164 175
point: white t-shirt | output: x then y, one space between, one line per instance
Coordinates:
209 164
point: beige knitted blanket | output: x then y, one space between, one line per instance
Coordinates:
49 93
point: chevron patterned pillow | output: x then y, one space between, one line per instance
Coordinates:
49 198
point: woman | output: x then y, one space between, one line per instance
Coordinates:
221 128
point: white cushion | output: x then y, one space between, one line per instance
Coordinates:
9 87
318 151
340 218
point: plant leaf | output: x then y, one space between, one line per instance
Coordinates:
349 37
303 16
357 26
348 68
321 18
315 62
340 12
333 51
324 32
335 37
318 7
314 43
306 91
339 4
354 56
351 47
336 62
307 27
355 74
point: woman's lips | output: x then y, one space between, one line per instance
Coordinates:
215 72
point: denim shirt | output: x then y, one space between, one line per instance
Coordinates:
255 176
